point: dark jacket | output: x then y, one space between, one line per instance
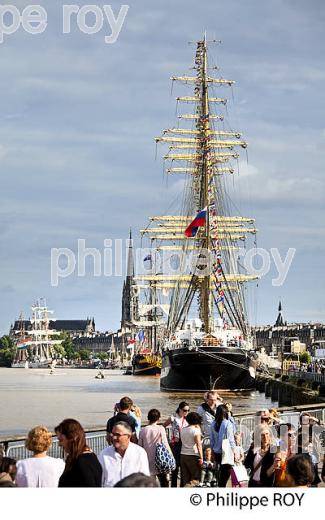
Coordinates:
85 471
121 416
267 462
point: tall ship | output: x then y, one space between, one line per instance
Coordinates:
207 341
36 343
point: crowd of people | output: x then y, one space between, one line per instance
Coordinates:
202 448
315 367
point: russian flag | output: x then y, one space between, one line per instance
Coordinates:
199 221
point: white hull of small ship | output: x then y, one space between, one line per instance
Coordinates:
33 364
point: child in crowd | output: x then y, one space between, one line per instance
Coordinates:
207 478
207 474
239 477
238 450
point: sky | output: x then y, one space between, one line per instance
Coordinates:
78 159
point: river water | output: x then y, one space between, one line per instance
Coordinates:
32 397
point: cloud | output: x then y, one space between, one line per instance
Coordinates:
3 152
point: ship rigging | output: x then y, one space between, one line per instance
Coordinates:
207 334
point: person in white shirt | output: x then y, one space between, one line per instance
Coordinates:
123 457
40 470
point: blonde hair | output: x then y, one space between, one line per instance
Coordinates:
39 439
213 393
237 435
259 430
135 409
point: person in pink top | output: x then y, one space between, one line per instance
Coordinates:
149 436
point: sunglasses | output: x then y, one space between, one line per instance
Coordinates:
186 409
118 435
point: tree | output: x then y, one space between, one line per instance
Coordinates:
7 351
305 357
102 356
68 346
59 350
84 354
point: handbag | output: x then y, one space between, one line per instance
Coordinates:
227 454
164 459
240 472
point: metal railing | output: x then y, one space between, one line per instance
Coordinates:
14 447
96 441
307 376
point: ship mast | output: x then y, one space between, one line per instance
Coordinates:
205 289
205 152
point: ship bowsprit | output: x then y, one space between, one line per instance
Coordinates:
207 368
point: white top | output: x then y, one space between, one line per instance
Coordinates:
177 424
116 467
239 452
189 446
257 473
39 472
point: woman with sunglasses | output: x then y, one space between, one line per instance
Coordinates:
177 423
287 448
82 468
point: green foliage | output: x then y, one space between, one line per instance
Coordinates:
84 354
305 357
101 355
7 351
68 346
59 350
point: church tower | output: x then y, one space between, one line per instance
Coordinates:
129 295
280 321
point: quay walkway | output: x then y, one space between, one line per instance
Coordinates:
14 446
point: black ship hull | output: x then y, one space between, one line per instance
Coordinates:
143 365
189 370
